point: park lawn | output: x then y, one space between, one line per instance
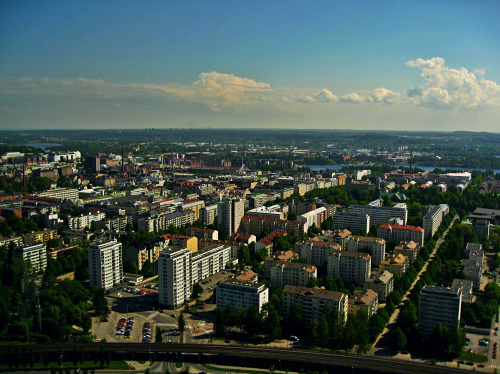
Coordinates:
113 364
474 357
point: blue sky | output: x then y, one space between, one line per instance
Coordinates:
323 64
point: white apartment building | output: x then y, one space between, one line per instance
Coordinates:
208 261
64 157
316 217
350 266
35 254
354 222
84 220
432 221
230 212
380 215
374 246
164 221
105 263
292 273
438 305
61 193
179 269
316 251
313 301
174 276
241 294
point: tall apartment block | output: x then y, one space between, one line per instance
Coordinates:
174 276
229 216
438 305
35 254
354 222
179 269
350 266
105 263
375 246
432 221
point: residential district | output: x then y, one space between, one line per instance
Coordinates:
351 261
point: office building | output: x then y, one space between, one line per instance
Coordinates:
438 305
105 263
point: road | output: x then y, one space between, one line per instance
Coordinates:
262 355
376 346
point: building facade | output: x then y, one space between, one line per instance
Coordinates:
350 266
313 301
374 246
35 254
439 305
105 263
241 294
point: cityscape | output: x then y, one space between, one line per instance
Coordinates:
218 187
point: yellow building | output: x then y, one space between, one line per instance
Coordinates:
40 236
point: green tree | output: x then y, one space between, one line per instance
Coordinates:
99 301
197 290
496 261
158 335
181 323
398 339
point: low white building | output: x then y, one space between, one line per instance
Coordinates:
241 294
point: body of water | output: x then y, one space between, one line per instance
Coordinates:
430 168
42 145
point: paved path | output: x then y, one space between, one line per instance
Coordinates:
376 346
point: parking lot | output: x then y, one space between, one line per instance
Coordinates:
144 307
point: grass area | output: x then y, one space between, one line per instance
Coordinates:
113 365
215 368
178 365
474 357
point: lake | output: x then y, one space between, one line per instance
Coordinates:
430 168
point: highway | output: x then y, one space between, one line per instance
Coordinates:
206 352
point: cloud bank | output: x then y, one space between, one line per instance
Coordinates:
443 88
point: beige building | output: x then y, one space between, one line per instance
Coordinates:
350 266
395 264
338 236
315 250
313 301
200 233
278 257
409 249
292 273
382 284
40 236
374 246
366 300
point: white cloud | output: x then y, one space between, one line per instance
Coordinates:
352 98
452 88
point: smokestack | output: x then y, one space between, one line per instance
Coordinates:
411 162
24 176
123 161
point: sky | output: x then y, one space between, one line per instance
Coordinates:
387 65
